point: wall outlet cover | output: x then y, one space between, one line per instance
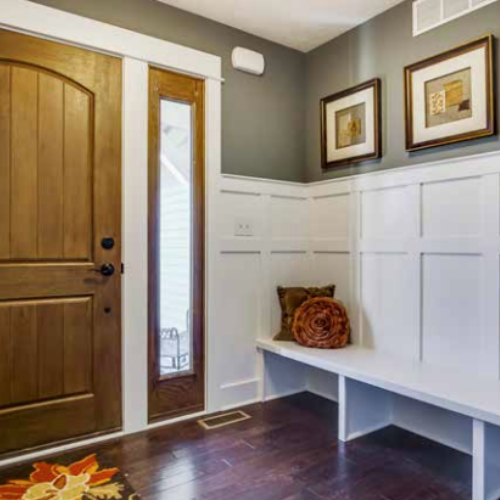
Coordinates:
243 227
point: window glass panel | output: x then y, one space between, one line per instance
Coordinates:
175 239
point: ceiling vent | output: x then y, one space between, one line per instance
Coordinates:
429 14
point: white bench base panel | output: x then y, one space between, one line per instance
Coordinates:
375 391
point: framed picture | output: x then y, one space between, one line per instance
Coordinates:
350 125
449 97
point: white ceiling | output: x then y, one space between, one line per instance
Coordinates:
300 24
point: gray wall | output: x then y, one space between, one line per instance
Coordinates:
271 124
383 47
263 118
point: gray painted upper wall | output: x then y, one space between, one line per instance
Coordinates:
262 118
270 125
383 47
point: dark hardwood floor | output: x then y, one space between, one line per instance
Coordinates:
288 451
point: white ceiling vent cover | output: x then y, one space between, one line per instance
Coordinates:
429 14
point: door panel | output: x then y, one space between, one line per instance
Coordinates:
50 167
48 346
60 142
51 136
176 237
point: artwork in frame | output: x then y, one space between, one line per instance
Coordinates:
350 125
449 97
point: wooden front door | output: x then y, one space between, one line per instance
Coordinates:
176 245
60 197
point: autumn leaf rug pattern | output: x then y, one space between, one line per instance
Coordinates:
83 479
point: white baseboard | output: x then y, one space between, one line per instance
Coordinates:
240 405
238 393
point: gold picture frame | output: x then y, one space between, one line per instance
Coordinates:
351 125
449 97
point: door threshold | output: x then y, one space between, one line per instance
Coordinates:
88 440
165 420
44 450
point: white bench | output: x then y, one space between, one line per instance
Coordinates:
367 380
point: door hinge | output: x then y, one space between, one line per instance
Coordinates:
122 268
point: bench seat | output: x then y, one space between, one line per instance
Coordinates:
367 379
471 396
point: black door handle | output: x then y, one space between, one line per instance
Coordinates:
106 269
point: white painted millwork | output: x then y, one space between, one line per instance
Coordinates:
430 384
416 254
135 244
354 399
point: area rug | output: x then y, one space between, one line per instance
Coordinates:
83 479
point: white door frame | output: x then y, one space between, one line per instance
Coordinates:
138 52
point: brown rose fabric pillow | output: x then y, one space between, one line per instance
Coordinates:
291 299
322 324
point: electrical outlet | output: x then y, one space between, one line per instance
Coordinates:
243 227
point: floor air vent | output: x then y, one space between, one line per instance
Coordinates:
223 420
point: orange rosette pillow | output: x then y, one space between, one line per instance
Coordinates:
322 323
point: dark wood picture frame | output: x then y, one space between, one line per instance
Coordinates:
411 144
376 84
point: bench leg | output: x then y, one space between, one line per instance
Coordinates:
486 461
362 409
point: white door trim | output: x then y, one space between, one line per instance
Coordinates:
57 25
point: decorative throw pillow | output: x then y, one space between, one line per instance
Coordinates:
291 299
322 323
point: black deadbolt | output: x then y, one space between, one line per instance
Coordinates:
108 243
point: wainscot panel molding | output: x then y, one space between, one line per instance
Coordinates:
415 255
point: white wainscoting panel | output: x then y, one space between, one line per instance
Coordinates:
453 332
452 208
249 268
414 252
235 206
239 288
286 269
330 217
386 213
289 218
301 237
389 321
333 268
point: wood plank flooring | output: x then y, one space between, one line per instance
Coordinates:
287 451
